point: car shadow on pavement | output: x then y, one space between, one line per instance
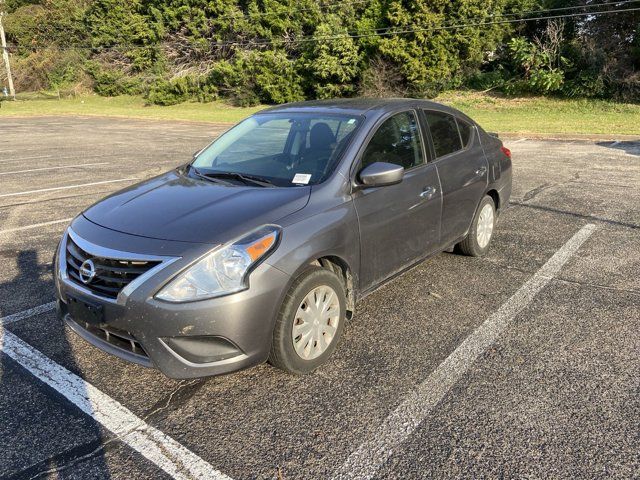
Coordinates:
24 408
632 148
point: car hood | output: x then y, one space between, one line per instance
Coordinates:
175 207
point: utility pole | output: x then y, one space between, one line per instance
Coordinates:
5 56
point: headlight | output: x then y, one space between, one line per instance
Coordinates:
224 270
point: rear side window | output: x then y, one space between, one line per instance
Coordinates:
444 132
465 132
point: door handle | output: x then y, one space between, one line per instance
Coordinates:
427 192
481 171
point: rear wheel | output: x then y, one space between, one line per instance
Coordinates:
310 322
478 240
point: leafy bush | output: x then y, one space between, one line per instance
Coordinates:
546 80
234 83
585 85
111 82
48 69
171 92
255 77
486 80
536 65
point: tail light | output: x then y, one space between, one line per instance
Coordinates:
506 151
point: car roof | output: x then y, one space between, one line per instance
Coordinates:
356 106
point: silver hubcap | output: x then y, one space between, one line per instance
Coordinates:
316 322
485 226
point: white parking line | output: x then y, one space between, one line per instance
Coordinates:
518 141
42 190
16 317
364 462
13 172
165 452
68 157
29 158
35 225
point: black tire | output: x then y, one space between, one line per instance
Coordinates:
283 354
469 246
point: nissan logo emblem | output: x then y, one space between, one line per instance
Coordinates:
87 271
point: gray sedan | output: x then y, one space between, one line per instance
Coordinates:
261 247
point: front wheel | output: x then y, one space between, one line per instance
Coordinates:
309 323
477 241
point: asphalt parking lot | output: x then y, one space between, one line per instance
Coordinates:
525 363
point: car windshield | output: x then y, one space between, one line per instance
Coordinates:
284 150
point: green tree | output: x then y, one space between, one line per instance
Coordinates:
332 60
281 50
258 76
122 29
41 33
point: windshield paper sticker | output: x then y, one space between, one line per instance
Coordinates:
301 178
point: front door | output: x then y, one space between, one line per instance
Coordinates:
398 223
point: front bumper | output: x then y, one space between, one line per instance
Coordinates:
183 340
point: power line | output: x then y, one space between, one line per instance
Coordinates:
498 15
377 32
390 31
550 10
251 15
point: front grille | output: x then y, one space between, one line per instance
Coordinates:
114 336
112 275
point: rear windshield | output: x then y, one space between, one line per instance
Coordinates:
289 149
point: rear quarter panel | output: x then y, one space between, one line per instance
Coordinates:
500 167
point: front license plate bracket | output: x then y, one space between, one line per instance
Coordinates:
83 311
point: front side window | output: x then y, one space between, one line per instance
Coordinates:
396 141
282 149
444 133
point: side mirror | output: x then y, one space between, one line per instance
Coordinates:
379 174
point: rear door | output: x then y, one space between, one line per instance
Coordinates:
462 168
398 223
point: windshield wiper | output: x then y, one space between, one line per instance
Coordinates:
199 174
244 177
